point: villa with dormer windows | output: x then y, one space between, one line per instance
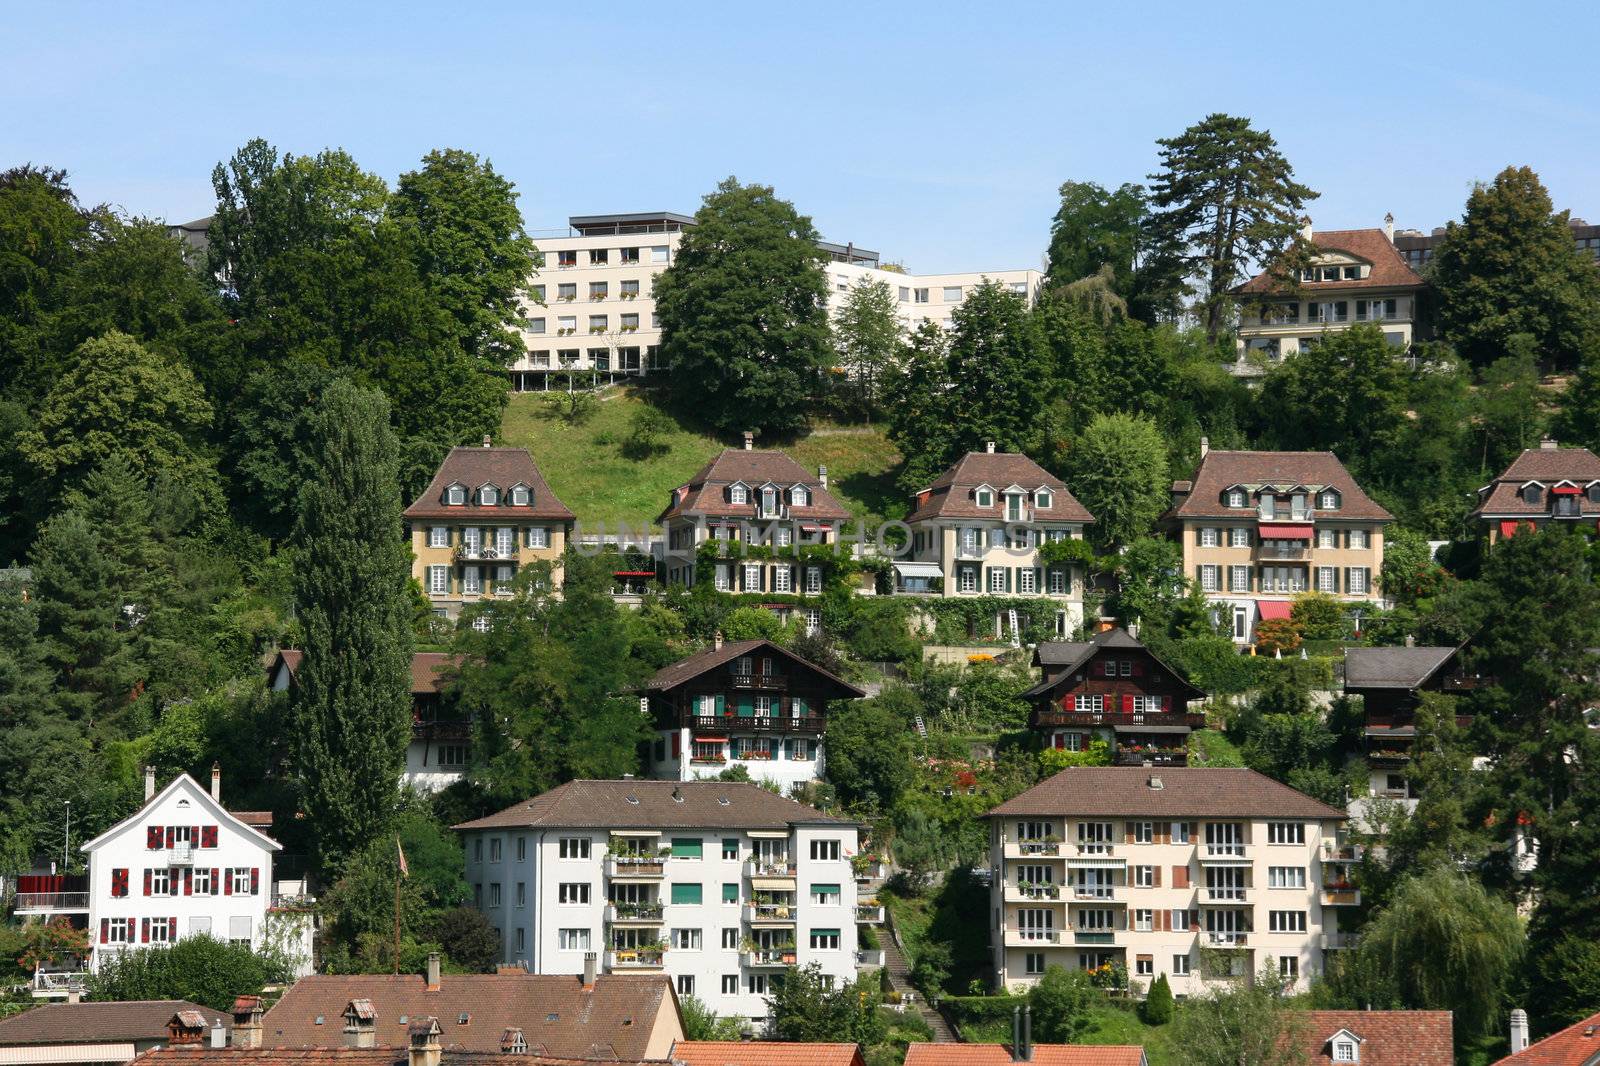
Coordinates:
1260 528
1542 485
486 513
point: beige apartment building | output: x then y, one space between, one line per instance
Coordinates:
592 307
1356 277
1201 874
486 513
1260 528
977 531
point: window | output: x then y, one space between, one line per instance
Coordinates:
752 575
1289 968
1327 579
1033 963
658 253
825 940
1058 581
1026 581
1178 919
599 256
1210 577
1286 877
687 848
598 323
919 296
629 289
438 580
117 930
203 884
1286 833
522 893
1344 1050
471 584
1358 540
1144 966
1238 579
813 579
1210 536
1328 501
997 579
952 294
456 495
738 494
781 578
1236 498
756 984
685 984
162 930
1143 832
1286 921
494 893
686 939
1042 499
825 850
438 537
243 881
827 895
730 983
1239 537
567 325
1180 832
574 847
573 940
983 498
1144 876
1180 965
1356 580
730 939
686 893
1143 919
574 892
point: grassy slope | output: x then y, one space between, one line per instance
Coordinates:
586 469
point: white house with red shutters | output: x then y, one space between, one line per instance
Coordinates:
183 864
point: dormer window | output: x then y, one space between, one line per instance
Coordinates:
1042 499
488 496
1013 507
1236 498
519 495
769 501
1328 500
1593 493
738 494
1532 494
797 496
984 497
455 495
1345 1051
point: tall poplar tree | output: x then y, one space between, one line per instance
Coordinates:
352 568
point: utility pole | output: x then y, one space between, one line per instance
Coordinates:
66 838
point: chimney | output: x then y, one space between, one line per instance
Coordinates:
1411 641
74 994
749 440
149 783
247 1022
1519 1030
219 1035
1305 227
488 441
424 1042
216 781
590 963
1388 226
433 971
1027 1033
822 476
716 641
1016 1034
1205 446
360 1024
988 447
1548 444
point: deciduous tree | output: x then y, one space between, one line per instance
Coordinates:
1118 469
867 332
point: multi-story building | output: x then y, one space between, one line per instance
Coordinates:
486 513
1355 276
1390 682
762 511
748 703
1145 866
977 531
1418 247
592 307
441 739
183 864
722 886
1260 528
1542 485
1113 688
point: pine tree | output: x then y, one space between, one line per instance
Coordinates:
867 332
81 620
351 585
25 677
1157 1009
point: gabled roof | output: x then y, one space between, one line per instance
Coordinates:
1389 268
1221 470
100 1023
765 1053
1576 1045
431 671
502 467
1063 660
633 803
199 1055
1185 792
614 1019
921 1054
185 783
1544 466
670 677
1399 668
950 495
703 493
1385 1037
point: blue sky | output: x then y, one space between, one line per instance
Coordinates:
934 133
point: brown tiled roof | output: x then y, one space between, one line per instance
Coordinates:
101 1023
500 467
765 1053
1388 1037
705 492
951 495
1576 1045
1548 466
558 1017
431 671
1389 267
193 1055
638 804
1221 470
1185 792
1065 659
670 677
1402 668
920 1054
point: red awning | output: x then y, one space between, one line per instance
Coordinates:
1566 490
1508 528
815 528
1275 532
633 573
1273 608
710 740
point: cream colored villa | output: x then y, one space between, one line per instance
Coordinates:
487 512
592 309
1149 866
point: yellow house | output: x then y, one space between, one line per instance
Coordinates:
486 512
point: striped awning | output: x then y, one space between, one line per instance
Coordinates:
1275 531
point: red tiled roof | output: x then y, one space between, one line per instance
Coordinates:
1221 470
1576 1045
951 495
1387 1037
669 677
1185 792
101 1023
1389 267
500 467
635 803
920 1054
1549 467
431 671
200 1055
705 493
765 1053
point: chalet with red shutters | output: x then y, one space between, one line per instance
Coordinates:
1542 485
1113 688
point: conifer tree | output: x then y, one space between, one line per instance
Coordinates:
353 700
25 677
81 619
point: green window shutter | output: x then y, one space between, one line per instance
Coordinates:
824 932
730 844
730 892
687 848
1008 579
747 706
825 890
690 893
772 747
721 704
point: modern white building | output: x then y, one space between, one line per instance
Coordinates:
592 306
183 864
1148 867
722 886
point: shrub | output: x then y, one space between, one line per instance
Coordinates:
1277 634
1157 1006
467 938
199 968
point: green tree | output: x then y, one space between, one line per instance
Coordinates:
1409 572
1157 1006
743 315
468 939
1565 980
1248 1023
43 232
1118 470
1062 1002
1510 406
1438 831
1225 197
25 677
869 749
81 620
199 968
997 371
867 333
917 403
353 698
269 451
648 429
700 1022
751 623
805 1007
1510 267
1094 228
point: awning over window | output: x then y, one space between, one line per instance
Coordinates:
1271 531
918 570
1273 608
1567 490
773 884
1121 727
1509 528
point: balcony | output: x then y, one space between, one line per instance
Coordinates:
869 959
769 958
869 914
1080 936
1099 894
769 867
1034 893
635 866
472 553
180 855
760 682
871 871
1334 852
1038 847
623 960
1096 849
52 902
649 912
1015 937
48 984
1271 554
1224 897
1339 941
1048 719
1161 757
1224 855
811 724
1341 896
1225 939
769 913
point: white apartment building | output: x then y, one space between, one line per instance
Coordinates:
592 306
722 886
183 864
1197 873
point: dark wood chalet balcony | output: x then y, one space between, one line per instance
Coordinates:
805 725
760 682
1167 757
1053 719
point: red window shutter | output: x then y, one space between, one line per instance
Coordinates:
119 882
1163 918
144 930
227 882
188 882
194 836
208 836
677 743
152 837
105 929
147 881
1127 703
1105 702
1166 704
1138 668
216 875
172 929
255 880
1156 872
172 835
1180 877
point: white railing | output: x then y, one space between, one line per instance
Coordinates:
52 901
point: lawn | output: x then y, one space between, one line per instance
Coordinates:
585 466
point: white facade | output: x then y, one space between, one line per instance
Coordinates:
787 762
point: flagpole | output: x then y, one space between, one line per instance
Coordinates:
400 865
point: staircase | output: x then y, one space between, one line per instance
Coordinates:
894 964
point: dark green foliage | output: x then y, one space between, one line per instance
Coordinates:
467 938
1565 981
353 694
700 1022
1096 228
647 432
1118 470
198 968
1243 1023
269 451
867 333
743 320
1357 388
1157 1006
81 620
802 1007
1061 1003
869 749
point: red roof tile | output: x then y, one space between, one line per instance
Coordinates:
1221 470
96 1023
1389 267
1043 1055
640 804
951 494
198 1055
1387 1037
1576 1045
500 467
765 1053
1185 792
431 671
706 492
1549 467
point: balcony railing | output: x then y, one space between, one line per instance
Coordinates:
634 959
482 552
58 982
1164 757
869 914
1226 895
1341 897
1096 893
1037 936
1039 847
180 855
1269 554
1096 849
1332 852
1038 891
1339 941
635 866
760 682
1092 718
1226 939
772 867
650 911
39 902
733 723
1080 936
767 957
1224 851
769 912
